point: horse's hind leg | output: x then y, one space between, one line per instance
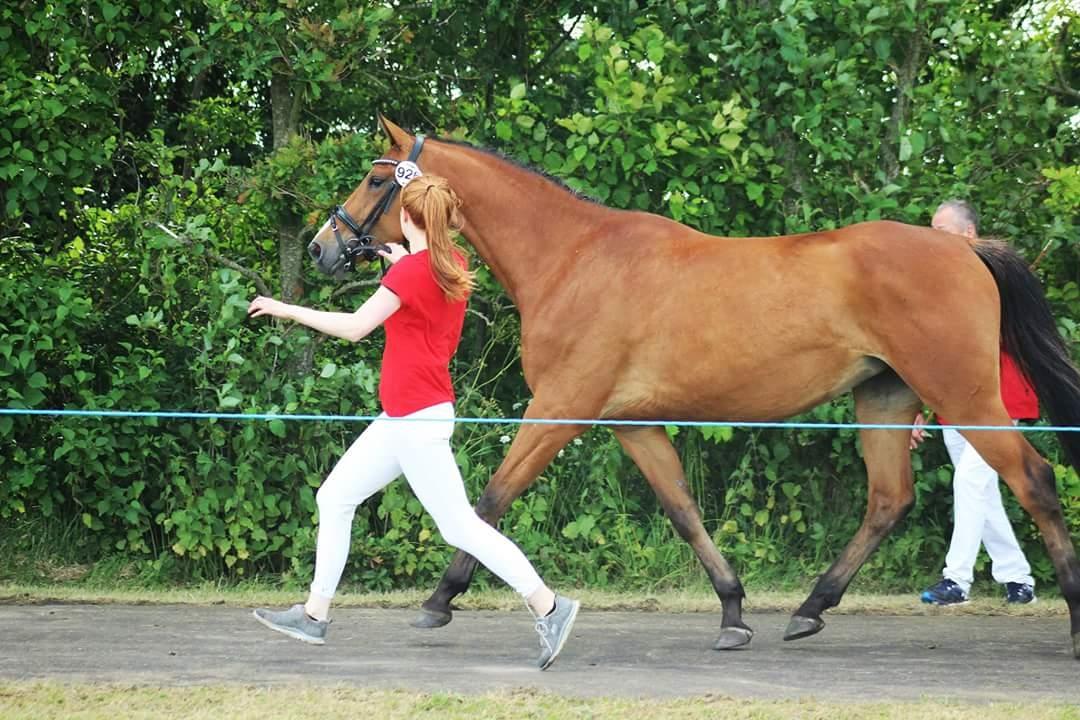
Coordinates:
1032 481
884 399
533 448
651 450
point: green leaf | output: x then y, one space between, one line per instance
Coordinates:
328 370
277 427
517 92
877 12
918 143
655 52
882 47
905 148
37 380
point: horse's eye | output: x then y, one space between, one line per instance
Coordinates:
376 181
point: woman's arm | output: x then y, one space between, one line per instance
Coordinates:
349 326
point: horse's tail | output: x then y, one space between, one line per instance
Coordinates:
1030 335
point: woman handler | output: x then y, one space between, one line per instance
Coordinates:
422 302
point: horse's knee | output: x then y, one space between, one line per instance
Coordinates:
904 505
686 519
487 507
885 511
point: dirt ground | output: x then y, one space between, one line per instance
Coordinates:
629 654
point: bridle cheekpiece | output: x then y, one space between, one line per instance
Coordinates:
363 244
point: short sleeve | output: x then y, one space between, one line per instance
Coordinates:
403 278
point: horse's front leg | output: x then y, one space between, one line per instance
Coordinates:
532 449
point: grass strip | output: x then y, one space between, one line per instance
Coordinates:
46 700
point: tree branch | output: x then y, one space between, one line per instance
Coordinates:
250 274
1061 43
1042 253
353 286
487 321
555 47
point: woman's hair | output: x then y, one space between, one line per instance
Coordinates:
435 208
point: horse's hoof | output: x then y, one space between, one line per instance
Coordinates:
428 619
733 637
801 627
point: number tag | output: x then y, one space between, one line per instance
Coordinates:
406 172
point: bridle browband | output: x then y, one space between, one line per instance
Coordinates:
365 246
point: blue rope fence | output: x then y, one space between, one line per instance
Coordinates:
192 415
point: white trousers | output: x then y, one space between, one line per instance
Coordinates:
979 517
388 448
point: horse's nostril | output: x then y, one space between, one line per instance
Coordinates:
314 250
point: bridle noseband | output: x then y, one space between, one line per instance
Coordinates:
365 246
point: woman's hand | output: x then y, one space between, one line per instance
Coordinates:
397 251
268 306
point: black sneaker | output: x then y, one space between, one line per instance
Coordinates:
945 592
1019 593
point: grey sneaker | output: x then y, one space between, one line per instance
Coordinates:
294 622
554 629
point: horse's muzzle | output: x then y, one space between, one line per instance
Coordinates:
325 259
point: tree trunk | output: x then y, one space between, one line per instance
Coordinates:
906 75
285 105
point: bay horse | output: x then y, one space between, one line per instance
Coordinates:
629 315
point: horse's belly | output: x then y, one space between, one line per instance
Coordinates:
755 392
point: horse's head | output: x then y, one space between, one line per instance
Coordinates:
369 217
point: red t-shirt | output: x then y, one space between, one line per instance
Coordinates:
421 337
1016 391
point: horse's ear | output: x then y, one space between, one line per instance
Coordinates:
397 136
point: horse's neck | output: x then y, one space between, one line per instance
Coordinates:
523 226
